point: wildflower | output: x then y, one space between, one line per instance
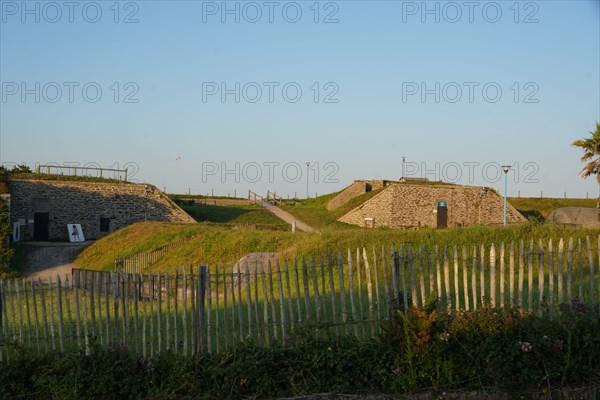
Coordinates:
526 347
445 337
397 371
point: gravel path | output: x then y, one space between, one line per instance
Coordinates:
287 217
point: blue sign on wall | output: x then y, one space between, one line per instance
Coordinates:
442 204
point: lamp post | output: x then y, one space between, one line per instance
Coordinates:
403 161
307 165
505 168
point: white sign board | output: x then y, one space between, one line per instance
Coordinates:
75 233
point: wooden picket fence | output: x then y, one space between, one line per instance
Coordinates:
138 262
214 308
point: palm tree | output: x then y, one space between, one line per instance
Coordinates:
591 154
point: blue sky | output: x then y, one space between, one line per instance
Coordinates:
188 98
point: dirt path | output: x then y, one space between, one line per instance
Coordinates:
287 217
49 259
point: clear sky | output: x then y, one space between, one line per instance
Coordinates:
237 95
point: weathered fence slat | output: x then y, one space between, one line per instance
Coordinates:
560 270
493 275
60 314
266 308
474 278
52 323
422 278
359 286
511 275
530 277
44 313
580 262
234 333
208 312
272 299
502 274
456 289
413 283
307 308
184 310
168 311
226 308
176 311
217 327
447 279
144 322
239 313
332 292
401 266
27 313
521 272
541 276
438 274
465 274
570 272
592 277
35 315
248 300
551 277
377 294
484 299
288 287
317 301
342 292
369 291
297 291
282 301
351 289
20 309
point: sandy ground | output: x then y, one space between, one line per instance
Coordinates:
50 259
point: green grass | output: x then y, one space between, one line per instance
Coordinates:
538 208
218 243
314 211
242 214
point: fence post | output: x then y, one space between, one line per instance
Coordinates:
202 269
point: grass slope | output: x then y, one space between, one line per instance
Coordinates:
538 208
218 244
314 211
246 214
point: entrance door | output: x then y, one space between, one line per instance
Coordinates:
442 215
40 226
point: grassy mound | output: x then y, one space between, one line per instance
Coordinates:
218 243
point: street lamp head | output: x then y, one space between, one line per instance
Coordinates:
307 164
506 168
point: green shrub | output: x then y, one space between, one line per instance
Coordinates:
491 348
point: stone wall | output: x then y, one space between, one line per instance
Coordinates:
415 205
355 189
85 203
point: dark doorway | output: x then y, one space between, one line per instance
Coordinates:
442 215
104 224
40 226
